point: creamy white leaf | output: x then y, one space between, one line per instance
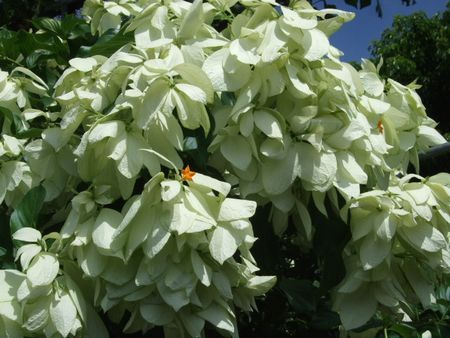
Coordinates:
357 308
222 244
27 234
373 251
201 270
104 228
157 314
268 123
219 317
43 269
237 150
63 314
233 209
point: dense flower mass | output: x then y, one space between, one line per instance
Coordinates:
169 257
42 300
288 124
400 243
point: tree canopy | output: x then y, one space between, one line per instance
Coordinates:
417 48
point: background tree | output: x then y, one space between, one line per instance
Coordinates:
417 48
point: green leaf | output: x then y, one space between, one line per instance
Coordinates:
17 125
48 24
32 59
29 133
26 214
6 246
404 330
70 22
300 294
305 218
325 320
228 98
107 44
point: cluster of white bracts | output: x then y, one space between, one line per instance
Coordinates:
42 300
169 257
292 124
16 177
400 243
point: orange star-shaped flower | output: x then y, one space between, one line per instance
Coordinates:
187 174
380 127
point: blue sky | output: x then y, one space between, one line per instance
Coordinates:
355 37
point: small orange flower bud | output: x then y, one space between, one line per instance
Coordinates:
380 126
187 174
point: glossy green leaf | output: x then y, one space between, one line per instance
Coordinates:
27 212
300 295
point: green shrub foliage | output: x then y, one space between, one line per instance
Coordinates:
254 103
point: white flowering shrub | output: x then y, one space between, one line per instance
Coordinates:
399 247
168 257
253 97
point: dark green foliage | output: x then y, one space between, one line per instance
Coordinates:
436 160
17 14
107 44
418 48
25 215
27 212
299 305
6 245
47 48
435 319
